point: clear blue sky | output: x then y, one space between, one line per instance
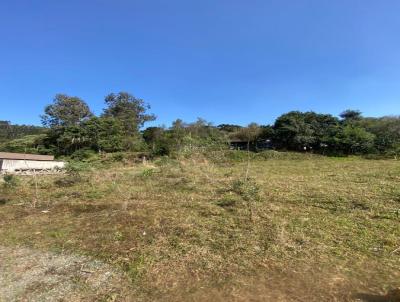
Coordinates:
227 61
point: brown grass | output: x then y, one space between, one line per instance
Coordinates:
319 229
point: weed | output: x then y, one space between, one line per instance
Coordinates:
10 181
68 180
73 175
248 189
136 268
118 236
227 202
147 172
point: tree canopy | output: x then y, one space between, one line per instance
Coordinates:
131 111
65 111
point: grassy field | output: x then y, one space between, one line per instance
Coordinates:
300 228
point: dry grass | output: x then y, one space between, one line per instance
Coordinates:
310 229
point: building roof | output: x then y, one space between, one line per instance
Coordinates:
22 156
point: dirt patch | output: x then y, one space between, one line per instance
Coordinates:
32 275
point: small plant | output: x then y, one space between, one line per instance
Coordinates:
248 189
118 236
10 181
245 190
147 172
227 202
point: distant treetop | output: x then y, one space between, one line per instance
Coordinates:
350 114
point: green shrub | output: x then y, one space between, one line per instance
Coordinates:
83 154
117 157
10 181
147 172
248 189
393 153
76 167
226 202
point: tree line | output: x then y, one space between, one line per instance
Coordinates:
71 129
10 132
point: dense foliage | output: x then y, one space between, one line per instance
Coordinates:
72 129
65 111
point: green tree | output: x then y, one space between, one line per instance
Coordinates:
131 111
65 111
297 130
386 130
351 115
249 134
292 131
229 128
267 132
157 140
356 140
104 134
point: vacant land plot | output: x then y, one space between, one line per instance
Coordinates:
306 229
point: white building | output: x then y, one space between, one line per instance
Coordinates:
19 162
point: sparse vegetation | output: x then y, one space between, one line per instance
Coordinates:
10 181
302 227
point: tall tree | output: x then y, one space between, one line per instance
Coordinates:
292 131
356 140
131 111
153 136
65 111
249 133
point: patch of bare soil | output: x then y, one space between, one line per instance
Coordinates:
32 275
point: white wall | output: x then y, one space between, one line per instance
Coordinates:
10 165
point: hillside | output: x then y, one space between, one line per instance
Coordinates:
10 131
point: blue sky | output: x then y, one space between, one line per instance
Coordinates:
227 61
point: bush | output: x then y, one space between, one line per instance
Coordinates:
226 202
83 154
117 157
68 181
147 172
10 181
394 153
248 189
